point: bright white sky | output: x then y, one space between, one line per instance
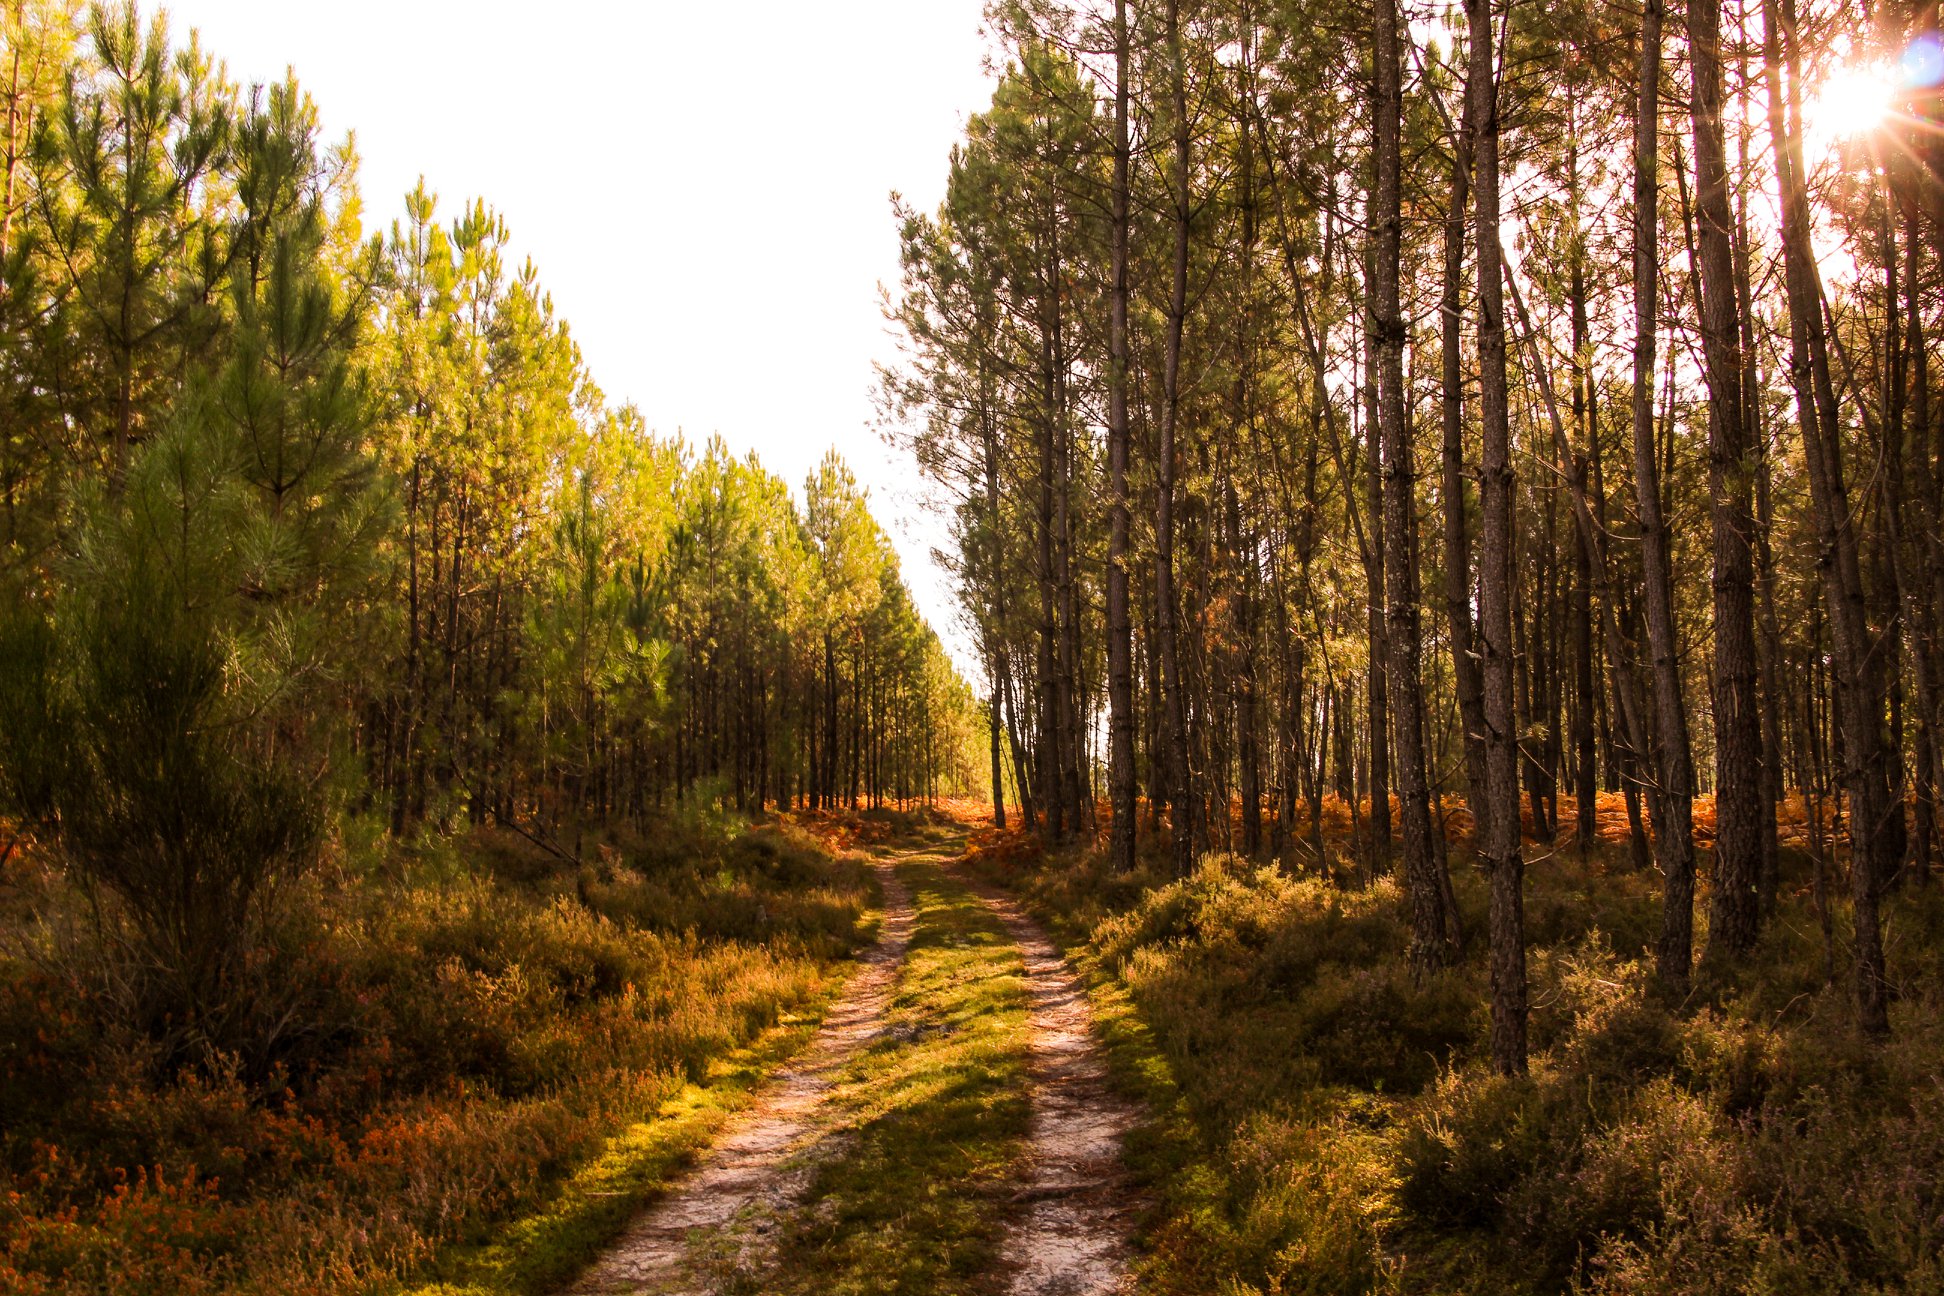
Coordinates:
703 186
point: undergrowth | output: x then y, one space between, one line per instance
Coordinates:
480 1033
1324 1124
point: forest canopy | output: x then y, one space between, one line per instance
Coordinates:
415 529
1446 501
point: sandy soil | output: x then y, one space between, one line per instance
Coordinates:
1073 1236
1072 1212
713 1228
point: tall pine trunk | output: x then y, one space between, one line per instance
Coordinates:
1501 849
1174 721
1735 908
1586 428
1467 681
1673 800
1859 708
1768 875
1121 789
1048 756
1433 931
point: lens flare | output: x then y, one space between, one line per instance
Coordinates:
1923 62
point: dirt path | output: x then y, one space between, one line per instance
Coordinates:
1073 1237
1071 1213
712 1228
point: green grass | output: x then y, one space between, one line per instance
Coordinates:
543 1251
540 1252
1165 1153
916 1201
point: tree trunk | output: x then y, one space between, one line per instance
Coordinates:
1433 930
1586 427
1377 692
1768 875
1121 789
1175 736
1734 911
1673 802
1468 683
1858 707
1047 756
1502 852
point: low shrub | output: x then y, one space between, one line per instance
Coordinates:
1311 1208
467 1027
1349 1135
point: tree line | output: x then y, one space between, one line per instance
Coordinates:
1467 410
305 525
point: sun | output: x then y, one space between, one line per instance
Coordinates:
1853 100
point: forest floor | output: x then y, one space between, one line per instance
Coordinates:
1317 1121
949 1128
838 1054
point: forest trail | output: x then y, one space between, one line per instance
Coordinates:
1072 1238
1069 1215
712 1227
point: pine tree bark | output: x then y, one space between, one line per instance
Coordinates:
1431 927
1248 700
1673 799
1734 911
1586 424
1376 691
1120 630
1048 756
1923 611
1174 720
827 784
1769 650
1859 708
1468 683
1004 728
1073 743
1244 543
1502 852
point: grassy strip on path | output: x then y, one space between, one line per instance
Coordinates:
542 1252
916 1200
545 1250
1161 1151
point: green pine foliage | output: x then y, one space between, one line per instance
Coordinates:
353 648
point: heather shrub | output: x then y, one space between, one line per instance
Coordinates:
471 1029
1348 1134
1265 984
1311 1209
1463 1149
765 885
1598 1016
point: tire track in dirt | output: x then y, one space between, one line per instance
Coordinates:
1073 1236
711 1231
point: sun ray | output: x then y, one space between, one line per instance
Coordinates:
1853 100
